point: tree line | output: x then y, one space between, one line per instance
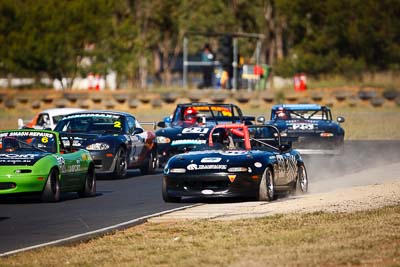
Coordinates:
141 38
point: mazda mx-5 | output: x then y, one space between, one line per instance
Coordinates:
116 141
238 161
34 161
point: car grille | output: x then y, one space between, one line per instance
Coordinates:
7 185
199 185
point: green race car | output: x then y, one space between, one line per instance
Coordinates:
34 161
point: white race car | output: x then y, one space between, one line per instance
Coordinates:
47 118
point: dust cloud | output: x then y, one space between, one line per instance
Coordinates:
327 173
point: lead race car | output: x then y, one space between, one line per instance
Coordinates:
311 126
34 161
239 161
116 141
190 124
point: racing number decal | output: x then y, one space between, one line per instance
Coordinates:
287 166
303 126
117 124
45 140
195 130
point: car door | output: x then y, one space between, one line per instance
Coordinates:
71 168
137 139
280 171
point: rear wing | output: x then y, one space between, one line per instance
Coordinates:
152 124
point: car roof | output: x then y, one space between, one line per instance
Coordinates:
60 111
299 107
103 112
194 104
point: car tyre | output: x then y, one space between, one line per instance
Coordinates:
51 191
150 164
166 196
89 188
121 164
301 185
266 191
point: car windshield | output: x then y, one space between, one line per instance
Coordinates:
302 114
259 138
203 114
24 141
91 123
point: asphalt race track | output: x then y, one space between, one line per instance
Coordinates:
26 222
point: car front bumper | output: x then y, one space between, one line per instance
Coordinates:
212 185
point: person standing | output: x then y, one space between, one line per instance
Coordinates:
207 56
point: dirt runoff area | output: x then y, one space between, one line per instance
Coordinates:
367 189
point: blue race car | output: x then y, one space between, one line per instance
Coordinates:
238 161
311 126
116 141
190 125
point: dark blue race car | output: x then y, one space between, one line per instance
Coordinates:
190 124
116 141
310 127
238 161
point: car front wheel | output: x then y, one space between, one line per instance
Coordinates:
51 191
166 196
266 191
121 164
301 186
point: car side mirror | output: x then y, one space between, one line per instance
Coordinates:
261 119
285 147
161 124
137 131
340 119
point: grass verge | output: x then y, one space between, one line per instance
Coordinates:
368 238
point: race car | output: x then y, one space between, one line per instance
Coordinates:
310 126
116 141
190 124
239 161
47 119
34 161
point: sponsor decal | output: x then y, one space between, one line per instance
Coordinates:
233 152
61 163
258 164
74 143
18 156
73 168
194 167
188 141
195 130
100 115
27 134
210 160
232 178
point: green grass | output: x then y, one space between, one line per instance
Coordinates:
369 238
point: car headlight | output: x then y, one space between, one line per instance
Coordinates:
326 134
163 140
98 146
283 134
239 169
177 170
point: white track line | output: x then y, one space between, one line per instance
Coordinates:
104 230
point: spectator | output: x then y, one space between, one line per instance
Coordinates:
207 56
